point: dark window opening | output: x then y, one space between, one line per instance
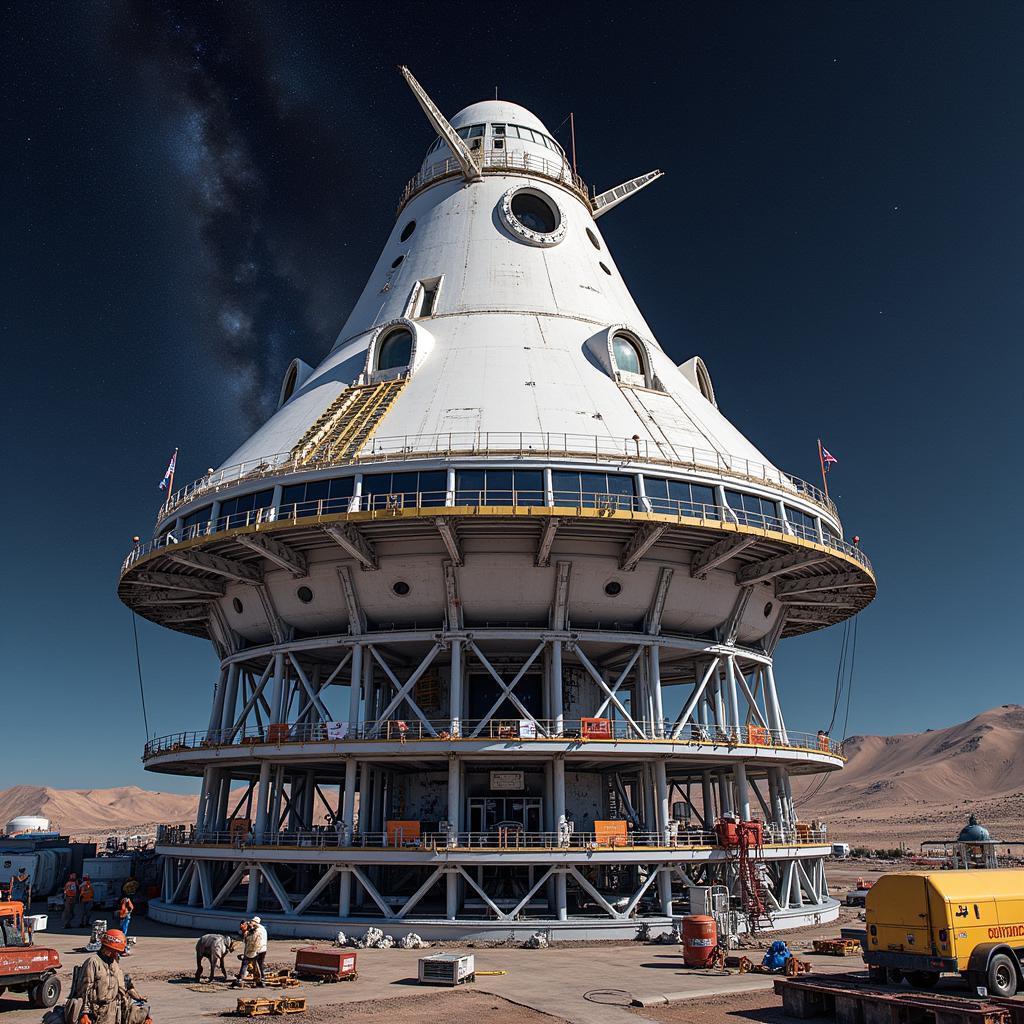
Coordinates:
534 213
395 349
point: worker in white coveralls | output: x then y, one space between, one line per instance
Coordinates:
100 993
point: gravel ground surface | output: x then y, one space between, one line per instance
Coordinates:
463 1006
762 1007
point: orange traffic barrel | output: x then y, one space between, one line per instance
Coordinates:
700 937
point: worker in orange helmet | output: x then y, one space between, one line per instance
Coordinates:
124 915
70 899
101 993
85 900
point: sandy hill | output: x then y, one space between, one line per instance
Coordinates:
923 785
95 810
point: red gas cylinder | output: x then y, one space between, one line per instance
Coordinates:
700 937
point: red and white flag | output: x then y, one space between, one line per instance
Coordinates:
827 457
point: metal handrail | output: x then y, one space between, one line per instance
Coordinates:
576 732
608 502
496 161
504 839
407 447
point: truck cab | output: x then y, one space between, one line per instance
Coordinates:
923 924
25 967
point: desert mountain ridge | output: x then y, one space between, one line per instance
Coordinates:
923 785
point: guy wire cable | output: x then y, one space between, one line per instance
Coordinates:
138 665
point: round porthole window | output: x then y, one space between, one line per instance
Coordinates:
605 269
768 608
237 605
593 239
407 231
397 262
613 588
532 216
304 594
401 588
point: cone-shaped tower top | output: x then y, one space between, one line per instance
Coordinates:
496 325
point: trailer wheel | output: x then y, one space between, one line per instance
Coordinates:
1002 976
46 993
923 979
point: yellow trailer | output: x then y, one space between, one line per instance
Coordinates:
921 924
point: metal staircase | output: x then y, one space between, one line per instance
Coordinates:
349 420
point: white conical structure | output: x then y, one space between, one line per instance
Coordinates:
496 593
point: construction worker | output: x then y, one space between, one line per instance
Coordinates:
249 957
124 917
70 899
85 901
21 888
261 945
100 993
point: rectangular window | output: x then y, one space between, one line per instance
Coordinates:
476 131
376 488
595 489
499 143
341 494
423 302
499 129
704 504
566 487
433 487
529 487
622 490
802 524
499 487
201 515
469 487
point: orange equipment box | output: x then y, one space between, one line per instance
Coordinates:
596 728
239 826
399 832
328 964
611 833
277 732
757 735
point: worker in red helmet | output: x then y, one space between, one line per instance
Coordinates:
101 993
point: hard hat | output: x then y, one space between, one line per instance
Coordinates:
255 920
114 940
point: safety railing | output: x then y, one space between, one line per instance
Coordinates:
514 731
496 161
519 444
523 499
508 838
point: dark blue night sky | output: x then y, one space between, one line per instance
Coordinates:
193 195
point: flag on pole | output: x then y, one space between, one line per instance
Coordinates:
169 475
828 458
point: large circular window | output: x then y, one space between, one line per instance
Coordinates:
537 214
533 216
395 349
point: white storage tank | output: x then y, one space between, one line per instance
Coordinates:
27 823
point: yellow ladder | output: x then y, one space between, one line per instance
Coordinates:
347 423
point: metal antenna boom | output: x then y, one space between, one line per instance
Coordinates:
470 168
606 200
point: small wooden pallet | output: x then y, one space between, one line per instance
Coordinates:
838 947
270 1007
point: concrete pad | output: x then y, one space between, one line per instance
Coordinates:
589 984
